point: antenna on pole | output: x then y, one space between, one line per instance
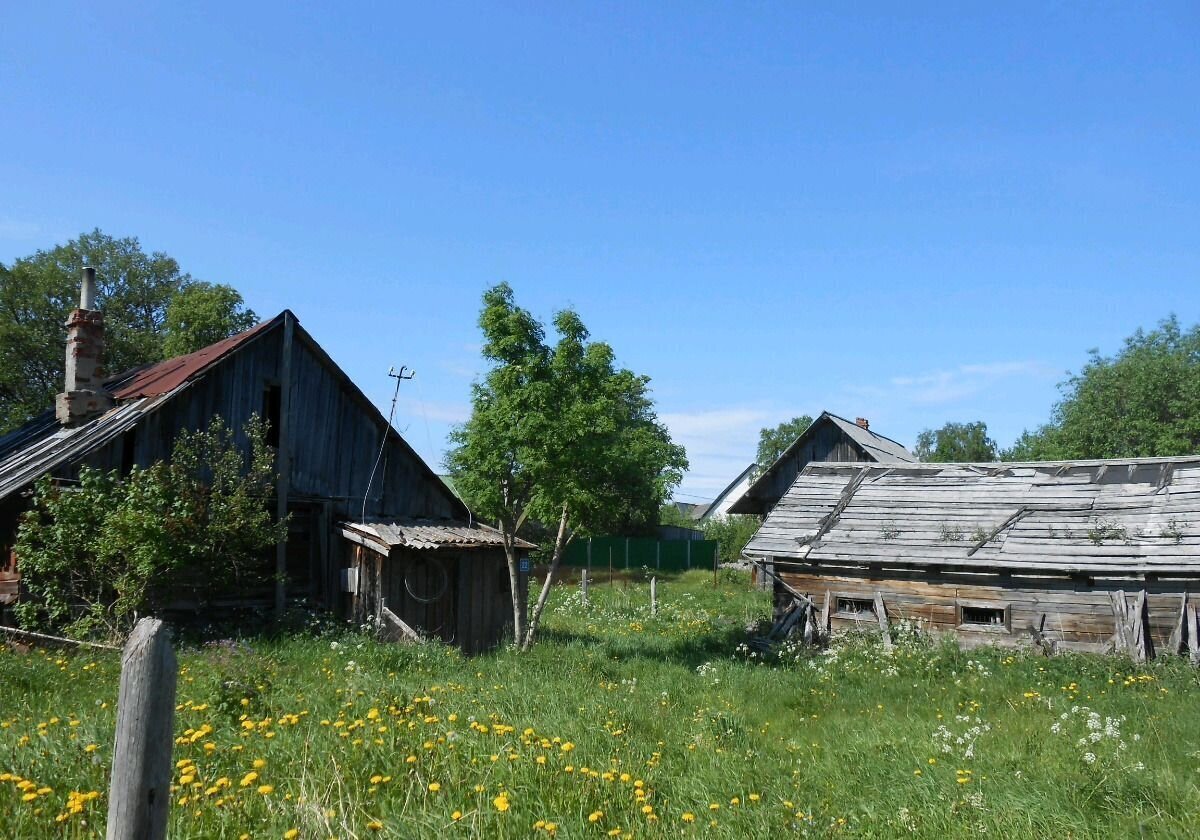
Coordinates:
400 376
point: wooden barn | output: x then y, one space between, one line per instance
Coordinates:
328 438
1084 555
828 438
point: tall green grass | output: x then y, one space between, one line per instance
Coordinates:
621 724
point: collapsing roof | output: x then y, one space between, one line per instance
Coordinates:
1113 517
425 534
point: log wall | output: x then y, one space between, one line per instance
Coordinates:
1078 611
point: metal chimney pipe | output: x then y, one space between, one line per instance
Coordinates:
87 292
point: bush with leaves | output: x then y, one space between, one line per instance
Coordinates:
96 554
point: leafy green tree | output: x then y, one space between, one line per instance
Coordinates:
1142 402
135 290
109 548
560 435
731 532
956 443
201 314
774 442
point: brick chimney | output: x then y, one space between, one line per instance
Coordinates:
84 397
862 423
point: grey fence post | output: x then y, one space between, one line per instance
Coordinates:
583 586
140 794
653 596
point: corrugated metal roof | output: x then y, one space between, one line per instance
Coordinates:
430 534
1120 517
46 444
170 374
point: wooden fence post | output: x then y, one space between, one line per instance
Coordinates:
583 586
139 796
653 596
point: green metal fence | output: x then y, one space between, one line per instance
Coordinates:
635 552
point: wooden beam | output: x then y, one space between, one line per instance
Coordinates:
881 616
283 461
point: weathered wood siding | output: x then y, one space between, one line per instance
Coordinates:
473 610
1078 612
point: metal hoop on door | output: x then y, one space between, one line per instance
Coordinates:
442 586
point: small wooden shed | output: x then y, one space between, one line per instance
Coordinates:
428 578
1084 553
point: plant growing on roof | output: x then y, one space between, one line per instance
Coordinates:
558 434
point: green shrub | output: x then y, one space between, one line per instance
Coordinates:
96 554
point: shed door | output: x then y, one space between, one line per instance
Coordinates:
425 587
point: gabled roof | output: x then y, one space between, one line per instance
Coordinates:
882 449
1115 517
425 534
42 444
165 376
732 487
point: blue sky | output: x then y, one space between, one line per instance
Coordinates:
899 213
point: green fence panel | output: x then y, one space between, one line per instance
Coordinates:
634 553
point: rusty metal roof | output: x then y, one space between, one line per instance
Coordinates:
426 534
170 374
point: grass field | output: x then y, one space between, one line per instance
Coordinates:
621 724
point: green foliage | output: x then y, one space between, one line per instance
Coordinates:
774 442
202 314
731 532
1142 402
559 434
135 291
956 443
853 741
95 554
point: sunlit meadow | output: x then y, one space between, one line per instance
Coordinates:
620 724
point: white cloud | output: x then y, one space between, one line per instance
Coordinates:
952 384
720 443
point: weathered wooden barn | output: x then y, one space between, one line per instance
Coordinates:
332 445
1080 554
828 438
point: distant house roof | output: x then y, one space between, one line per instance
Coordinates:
1117 517
883 448
721 504
872 444
426 534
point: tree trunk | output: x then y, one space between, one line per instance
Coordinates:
510 554
560 543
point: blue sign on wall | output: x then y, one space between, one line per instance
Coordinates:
524 565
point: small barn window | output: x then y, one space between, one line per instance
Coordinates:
855 607
977 617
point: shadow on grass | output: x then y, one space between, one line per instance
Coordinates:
687 651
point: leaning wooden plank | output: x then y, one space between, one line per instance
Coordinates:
823 625
795 616
402 627
1120 607
30 636
881 615
784 618
1141 647
1193 634
1178 643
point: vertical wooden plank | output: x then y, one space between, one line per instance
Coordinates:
653 596
140 791
583 586
881 615
283 489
